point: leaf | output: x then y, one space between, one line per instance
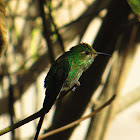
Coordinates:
135 5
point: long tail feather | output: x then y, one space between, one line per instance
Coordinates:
39 126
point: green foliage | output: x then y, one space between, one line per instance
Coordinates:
135 5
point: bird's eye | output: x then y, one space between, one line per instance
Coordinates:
87 53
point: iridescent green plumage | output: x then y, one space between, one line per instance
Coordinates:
67 69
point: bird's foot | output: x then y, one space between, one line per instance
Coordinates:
77 84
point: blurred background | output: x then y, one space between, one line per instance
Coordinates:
38 32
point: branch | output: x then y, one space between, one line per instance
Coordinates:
22 122
79 120
47 32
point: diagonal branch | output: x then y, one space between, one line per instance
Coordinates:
79 120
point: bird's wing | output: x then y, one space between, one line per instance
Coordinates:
54 82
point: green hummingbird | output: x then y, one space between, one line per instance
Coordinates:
65 73
62 77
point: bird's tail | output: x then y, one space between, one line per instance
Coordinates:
39 126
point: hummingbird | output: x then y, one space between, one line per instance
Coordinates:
65 73
62 77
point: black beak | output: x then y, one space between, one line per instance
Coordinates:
103 53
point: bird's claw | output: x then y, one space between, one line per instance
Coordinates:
77 84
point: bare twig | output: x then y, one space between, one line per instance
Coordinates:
22 122
79 120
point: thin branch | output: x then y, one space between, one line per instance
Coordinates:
46 29
22 122
55 28
79 120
